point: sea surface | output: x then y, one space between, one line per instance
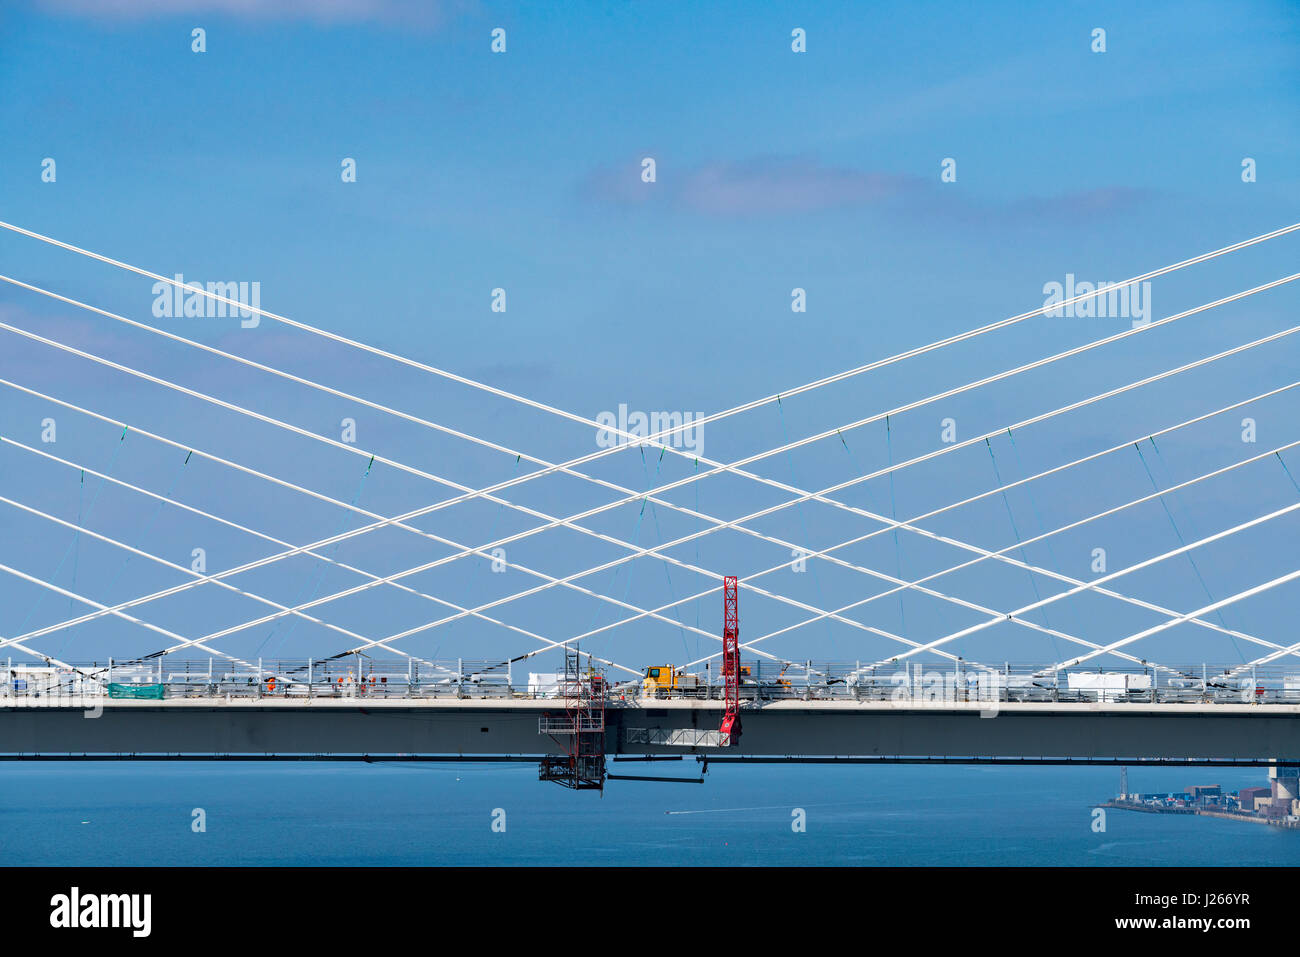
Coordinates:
389 814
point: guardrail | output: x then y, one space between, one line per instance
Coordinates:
356 676
565 724
351 677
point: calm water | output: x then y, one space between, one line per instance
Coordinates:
327 814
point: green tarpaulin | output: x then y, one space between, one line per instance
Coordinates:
135 691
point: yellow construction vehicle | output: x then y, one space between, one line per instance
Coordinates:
664 680
781 681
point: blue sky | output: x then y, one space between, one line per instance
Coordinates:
521 171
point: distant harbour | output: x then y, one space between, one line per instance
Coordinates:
1276 804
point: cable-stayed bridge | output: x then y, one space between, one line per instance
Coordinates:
467 617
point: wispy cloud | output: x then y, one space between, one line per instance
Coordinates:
786 186
326 12
782 185
1080 204
759 186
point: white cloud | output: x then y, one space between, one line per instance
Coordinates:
329 12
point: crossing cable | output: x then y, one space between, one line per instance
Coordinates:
852 482
697 551
367 644
659 536
1033 501
967 501
1191 559
1289 649
549 579
300 380
631 496
17 642
945 450
1038 515
132 552
666 432
299 550
627 582
1081 585
653 439
200 579
1213 606
48 659
242 360
162 499
319 574
1015 531
400 522
803 525
496 520
293 550
893 514
121 567
76 539
72 545
733 467
1095 583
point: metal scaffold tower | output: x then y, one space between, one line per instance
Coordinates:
580 730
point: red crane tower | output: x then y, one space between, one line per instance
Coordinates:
730 660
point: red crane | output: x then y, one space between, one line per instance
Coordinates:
731 660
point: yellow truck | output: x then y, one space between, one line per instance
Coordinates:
664 680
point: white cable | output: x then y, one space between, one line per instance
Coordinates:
1269 658
201 579
820 496
293 551
14 642
992 379
943 451
653 440
1181 619
395 412
377 458
1015 545
946 508
81 530
415 419
455 433
1081 585
736 522
276 541
1124 571
1163 626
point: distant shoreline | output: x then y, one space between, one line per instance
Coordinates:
1199 812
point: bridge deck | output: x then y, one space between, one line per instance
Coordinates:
481 726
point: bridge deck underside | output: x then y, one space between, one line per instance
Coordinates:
1215 733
